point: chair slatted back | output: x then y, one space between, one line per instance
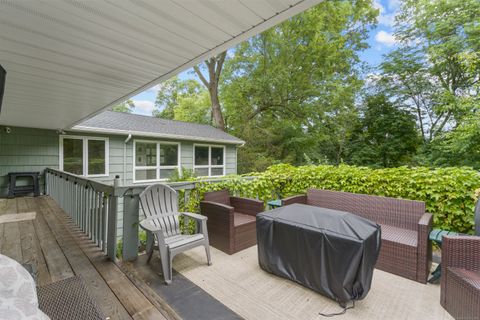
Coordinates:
161 201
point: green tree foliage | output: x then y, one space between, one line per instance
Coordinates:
385 136
461 145
184 100
194 108
126 107
291 90
428 72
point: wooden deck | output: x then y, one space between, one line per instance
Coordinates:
58 251
233 287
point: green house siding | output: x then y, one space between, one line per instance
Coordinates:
27 149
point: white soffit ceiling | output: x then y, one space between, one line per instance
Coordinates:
68 60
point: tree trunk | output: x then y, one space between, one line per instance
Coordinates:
214 66
216 109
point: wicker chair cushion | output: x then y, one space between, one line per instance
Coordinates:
398 235
469 276
239 219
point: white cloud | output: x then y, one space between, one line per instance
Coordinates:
393 4
385 38
144 107
378 5
386 17
154 89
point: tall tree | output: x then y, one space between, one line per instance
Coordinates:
175 94
427 72
385 135
291 90
214 67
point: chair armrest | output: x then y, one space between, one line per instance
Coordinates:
461 252
301 198
220 216
216 211
215 206
425 225
247 206
194 216
424 247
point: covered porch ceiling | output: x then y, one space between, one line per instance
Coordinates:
68 60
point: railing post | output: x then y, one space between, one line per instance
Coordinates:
112 227
130 228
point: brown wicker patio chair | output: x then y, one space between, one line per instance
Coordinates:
231 220
460 281
406 250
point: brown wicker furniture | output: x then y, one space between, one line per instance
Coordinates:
460 281
231 220
406 250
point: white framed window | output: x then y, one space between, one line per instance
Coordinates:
155 160
84 156
208 160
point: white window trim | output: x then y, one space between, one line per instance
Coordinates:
85 140
157 167
210 166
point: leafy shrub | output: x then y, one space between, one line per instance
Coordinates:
449 193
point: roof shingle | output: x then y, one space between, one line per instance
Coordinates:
125 123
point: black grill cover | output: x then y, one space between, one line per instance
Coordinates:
329 251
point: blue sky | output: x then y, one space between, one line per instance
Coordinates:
380 39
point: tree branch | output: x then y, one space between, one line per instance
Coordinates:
220 61
200 75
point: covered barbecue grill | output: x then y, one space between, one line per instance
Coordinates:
329 251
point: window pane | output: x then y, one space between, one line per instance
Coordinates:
217 156
201 172
168 155
166 173
146 174
201 156
217 171
96 157
145 154
73 156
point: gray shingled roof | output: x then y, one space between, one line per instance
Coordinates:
124 123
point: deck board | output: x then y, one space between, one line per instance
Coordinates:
58 265
11 245
132 299
81 265
58 250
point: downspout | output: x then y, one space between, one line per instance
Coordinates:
125 159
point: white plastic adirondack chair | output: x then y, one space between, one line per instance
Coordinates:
160 205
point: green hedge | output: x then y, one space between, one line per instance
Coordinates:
449 193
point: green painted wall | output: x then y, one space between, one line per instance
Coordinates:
25 149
